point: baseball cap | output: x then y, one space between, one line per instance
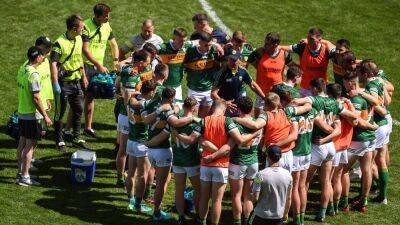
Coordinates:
234 55
43 40
274 153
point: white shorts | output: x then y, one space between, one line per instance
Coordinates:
202 97
321 153
237 172
390 122
305 92
160 157
340 158
214 174
301 163
136 149
178 93
286 161
190 171
259 102
123 124
359 148
382 135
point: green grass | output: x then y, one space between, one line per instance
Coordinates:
371 26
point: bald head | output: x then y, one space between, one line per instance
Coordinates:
147 29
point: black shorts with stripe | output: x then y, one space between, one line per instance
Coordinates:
30 129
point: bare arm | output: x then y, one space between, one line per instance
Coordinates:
364 124
214 93
156 140
224 150
54 72
254 86
179 122
287 48
337 129
255 125
208 145
287 204
188 139
114 51
303 108
323 125
89 55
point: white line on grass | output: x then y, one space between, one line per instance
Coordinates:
211 13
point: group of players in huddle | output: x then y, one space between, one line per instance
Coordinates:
218 134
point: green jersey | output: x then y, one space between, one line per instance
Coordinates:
305 123
186 155
137 128
159 125
286 87
363 109
374 85
327 109
97 36
174 59
245 155
202 69
129 80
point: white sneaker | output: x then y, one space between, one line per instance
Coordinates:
27 181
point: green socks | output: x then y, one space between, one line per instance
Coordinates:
297 219
336 206
237 222
147 193
302 215
383 183
322 213
363 200
331 209
344 202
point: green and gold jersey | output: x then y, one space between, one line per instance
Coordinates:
174 59
376 86
286 87
137 128
186 155
159 125
245 155
327 109
202 69
97 36
305 123
129 80
363 109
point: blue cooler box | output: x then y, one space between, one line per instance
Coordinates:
83 167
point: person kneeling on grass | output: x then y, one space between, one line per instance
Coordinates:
271 191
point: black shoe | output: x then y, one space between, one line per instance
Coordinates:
181 220
90 133
68 136
320 219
